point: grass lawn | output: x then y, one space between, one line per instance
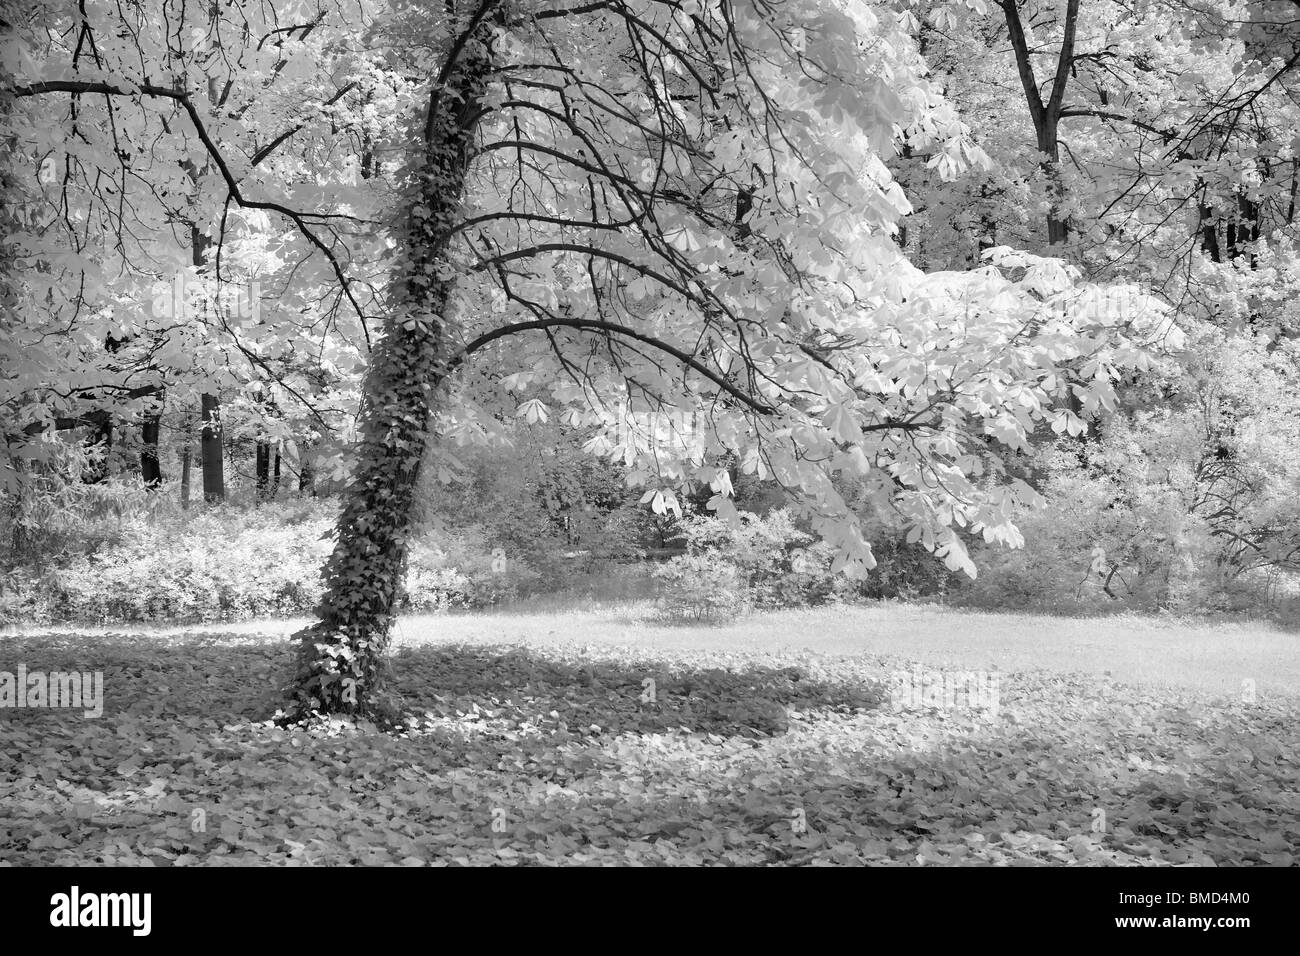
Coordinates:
1215 658
554 736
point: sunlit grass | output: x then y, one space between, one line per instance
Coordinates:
1213 657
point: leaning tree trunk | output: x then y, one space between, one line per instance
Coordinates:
341 657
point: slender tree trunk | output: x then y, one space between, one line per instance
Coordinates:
1046 114
150 466
1295 180
306 476
210 442
306 450
1210 233
214 475
262 452
262 470
275 475
1244 229
187 456
988 227
101 434
1238 230
341 657
1058 229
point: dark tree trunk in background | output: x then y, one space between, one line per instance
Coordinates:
1210 234
341 658
988 227
210 441
150 467
1239 231
100 437
263 470
275 475
306 470
214 474
1243 229
187 458
263 449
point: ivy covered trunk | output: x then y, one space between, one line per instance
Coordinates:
341 658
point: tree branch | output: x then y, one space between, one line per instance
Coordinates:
1024 66
1066 59
595 325
232 185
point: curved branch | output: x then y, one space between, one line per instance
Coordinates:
528 252
232 185
602 326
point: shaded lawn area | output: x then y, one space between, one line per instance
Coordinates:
551 752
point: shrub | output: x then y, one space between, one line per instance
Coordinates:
905 571
230 563
432 584
216 564
55 516
700 585
474 569
627 534
1117 537
778 564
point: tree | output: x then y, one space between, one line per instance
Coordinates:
686 202
1178 131
675 208
121 236
1046 113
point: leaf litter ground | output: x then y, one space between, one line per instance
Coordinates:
568 754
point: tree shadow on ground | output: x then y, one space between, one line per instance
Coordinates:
208 674
648 695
